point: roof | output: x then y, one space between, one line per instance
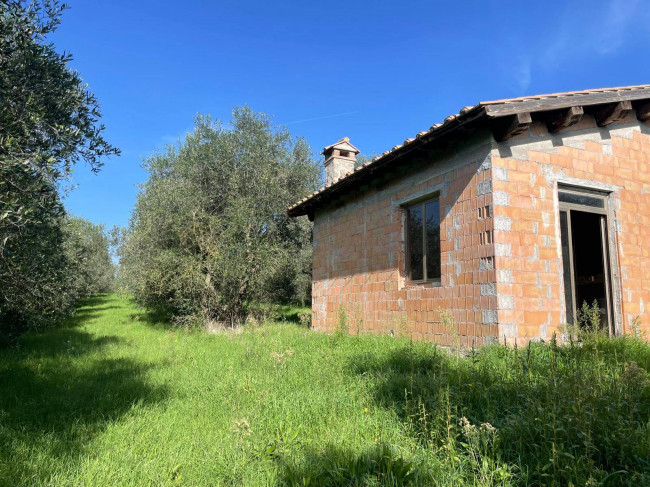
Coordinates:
344 144
497 115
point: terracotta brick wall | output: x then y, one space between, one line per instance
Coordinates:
358 269
526 173
500 239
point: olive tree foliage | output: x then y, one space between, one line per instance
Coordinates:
48 122
210 238
362 159
55 263
87 246
48 118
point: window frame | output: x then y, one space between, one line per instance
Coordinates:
578 191
608 258
421 202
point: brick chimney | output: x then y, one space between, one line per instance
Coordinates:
339 159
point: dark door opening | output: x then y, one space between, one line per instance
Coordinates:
585 257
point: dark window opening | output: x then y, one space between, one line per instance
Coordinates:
585 256
344 153
423 240
588 263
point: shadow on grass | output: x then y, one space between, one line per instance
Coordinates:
163 319
290 316
159 319
66 338
66 342
55 397
298 315
101 308
92 301
562 415
336 467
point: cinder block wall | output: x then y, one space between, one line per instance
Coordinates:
358 273
526 173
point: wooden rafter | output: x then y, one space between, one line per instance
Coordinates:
514 125
613 112
565 118
643 112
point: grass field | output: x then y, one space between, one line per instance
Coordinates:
115 397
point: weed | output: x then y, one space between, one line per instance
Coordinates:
589 317
636 327
587 327
451 329
304 318
342 328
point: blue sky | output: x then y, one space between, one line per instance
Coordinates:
377 72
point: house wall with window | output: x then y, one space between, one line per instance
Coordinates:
528 172
370 274
540 205
501 263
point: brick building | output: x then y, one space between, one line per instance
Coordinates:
508 215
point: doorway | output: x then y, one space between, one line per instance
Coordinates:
585 253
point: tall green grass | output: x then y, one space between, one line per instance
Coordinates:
118 397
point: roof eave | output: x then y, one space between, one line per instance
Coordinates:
307 205
513 115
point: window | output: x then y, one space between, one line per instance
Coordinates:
583 199
423 241
585 253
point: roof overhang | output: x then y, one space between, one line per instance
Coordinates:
505 119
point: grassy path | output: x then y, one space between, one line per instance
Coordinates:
114 397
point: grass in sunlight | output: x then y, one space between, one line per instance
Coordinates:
116 396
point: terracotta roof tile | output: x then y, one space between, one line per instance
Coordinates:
568 93
464 111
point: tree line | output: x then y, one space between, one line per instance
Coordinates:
49 122
209 239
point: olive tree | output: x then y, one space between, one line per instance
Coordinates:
48 122
210 238
87 246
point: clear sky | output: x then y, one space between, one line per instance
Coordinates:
377 72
